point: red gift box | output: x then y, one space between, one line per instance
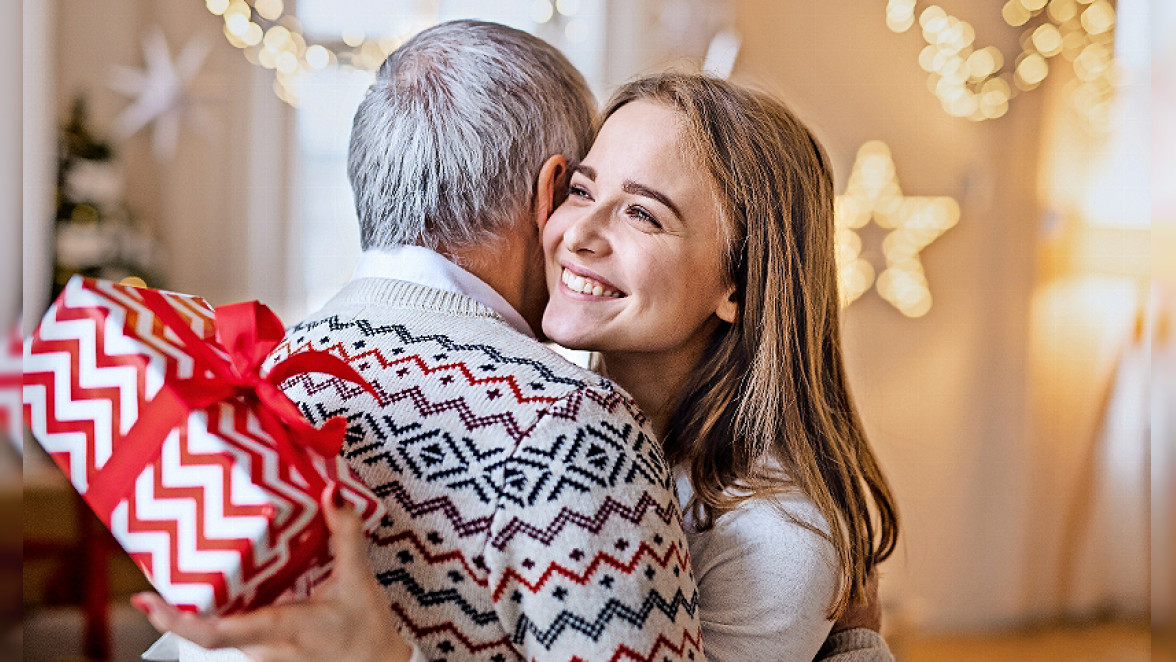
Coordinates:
10 370
153 405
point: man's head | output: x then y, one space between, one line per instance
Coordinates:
448 143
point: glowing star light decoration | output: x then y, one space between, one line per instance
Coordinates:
913 223
161 92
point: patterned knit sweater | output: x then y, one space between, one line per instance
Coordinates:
531 513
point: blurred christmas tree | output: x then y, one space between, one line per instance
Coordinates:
95 232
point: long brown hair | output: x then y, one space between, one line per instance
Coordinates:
772 389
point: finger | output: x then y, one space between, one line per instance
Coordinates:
266 626
158 612
348 542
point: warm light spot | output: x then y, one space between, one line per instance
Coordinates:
927 58
930 14
1092 61
237 24
133 281
277 38
1072 43
568 7
288 63
981 63
1062 10
1047 39
233 39
1031 71
955 70
1014 14
1033 5
271 10
252 35
962 35
353 38
900 23
996 85
938 30
994 103
1098 17
962 106
900 8
268 58
541 11
217 7
318 57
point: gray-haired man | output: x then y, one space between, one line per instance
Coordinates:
531 513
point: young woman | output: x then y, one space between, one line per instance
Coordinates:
695 254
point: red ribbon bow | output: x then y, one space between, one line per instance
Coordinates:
248 332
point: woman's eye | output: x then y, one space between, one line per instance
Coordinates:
578 191
643 216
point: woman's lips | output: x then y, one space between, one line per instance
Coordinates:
583 282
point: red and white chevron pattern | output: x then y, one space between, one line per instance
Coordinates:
10 387
217 522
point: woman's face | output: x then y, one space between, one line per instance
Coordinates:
634 254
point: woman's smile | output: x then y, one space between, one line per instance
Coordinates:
581 281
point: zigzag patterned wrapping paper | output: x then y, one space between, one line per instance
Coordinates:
10 370
218 519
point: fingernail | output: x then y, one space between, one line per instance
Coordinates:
140 602
337 496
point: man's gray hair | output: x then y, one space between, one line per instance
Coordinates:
447 144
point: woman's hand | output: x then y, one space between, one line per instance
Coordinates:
346 618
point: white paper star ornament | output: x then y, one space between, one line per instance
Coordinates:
161 92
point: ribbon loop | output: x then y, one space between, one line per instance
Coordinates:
247 332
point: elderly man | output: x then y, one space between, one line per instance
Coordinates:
531 513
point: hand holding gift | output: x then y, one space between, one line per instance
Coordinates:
347 617
208 476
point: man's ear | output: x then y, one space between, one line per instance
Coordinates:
550 188
729 308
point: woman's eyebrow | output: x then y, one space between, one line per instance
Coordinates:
587 171
636 188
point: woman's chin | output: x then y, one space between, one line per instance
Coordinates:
566 334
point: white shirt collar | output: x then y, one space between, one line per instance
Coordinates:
427 267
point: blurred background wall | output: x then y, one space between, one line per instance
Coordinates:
1012 415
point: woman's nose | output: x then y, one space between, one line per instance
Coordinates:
589 232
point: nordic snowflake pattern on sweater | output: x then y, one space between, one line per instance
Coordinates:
531 513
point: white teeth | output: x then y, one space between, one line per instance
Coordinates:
587 286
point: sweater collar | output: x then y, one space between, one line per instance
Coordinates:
423 266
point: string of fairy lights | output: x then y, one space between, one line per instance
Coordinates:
971 81
271 37
977 83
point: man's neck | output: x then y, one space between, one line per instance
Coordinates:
512 266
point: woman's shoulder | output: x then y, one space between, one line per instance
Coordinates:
786 512
779 530
779 512
766 575
785 527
